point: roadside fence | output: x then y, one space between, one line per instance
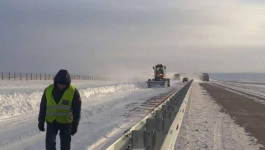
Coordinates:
45 76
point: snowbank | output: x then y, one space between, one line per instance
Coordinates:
23 97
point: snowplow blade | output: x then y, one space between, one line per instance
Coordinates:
151 84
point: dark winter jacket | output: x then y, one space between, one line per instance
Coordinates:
61 76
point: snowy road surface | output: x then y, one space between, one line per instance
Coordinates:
108 109
206 127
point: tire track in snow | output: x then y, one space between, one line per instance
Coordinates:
218 134
103 140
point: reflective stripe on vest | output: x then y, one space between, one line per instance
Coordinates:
59 107
58 114
61 112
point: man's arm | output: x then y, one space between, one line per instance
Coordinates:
42 112
76 107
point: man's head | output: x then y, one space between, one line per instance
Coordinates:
61 85
62 79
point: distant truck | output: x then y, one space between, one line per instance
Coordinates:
185 80
176 76
205 77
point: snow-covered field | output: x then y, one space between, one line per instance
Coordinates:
108 109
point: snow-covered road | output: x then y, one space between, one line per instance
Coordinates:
206 127
108 109
253 91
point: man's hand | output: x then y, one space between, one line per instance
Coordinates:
41 126
74 129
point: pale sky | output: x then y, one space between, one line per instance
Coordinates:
128 37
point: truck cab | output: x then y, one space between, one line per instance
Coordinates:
159 72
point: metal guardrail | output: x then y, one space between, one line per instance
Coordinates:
160 128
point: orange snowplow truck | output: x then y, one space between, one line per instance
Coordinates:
159 77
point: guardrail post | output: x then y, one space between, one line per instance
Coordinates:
26 76
49 76
14 76
40 76
36 76
9 76
20 76
2 76
45 77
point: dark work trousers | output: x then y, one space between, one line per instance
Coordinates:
65 135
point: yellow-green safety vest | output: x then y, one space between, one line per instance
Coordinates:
61 112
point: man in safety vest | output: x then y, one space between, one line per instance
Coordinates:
60 107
